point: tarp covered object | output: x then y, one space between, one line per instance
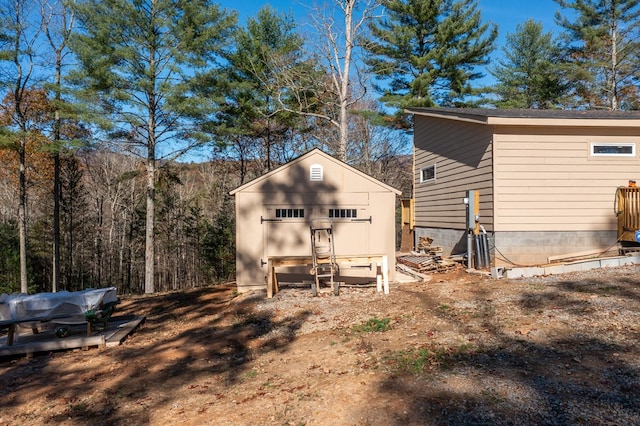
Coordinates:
21 307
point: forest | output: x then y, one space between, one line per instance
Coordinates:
124 124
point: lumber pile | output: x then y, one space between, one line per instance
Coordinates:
426 262
424 243
425 247
427 259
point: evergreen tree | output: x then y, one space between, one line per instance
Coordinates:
602 44
530 73
251 112
426 52
74 224
9 258
218 245
139 63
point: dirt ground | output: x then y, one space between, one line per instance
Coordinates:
457 349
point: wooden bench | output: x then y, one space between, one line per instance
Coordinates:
380 261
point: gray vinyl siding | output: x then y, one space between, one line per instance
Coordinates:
462 153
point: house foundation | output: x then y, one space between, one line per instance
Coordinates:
523 248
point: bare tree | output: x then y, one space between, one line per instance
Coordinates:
58 22
19 32
379 151
342 84
116 194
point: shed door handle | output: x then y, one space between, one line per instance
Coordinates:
262 220
362 220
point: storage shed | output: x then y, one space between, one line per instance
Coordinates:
547 178
275 211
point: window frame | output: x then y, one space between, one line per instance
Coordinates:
288 213
593 145
423 170
343 213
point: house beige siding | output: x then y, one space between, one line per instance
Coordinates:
550 196
547 180
462 154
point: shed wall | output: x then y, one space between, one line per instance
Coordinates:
249 243
259 234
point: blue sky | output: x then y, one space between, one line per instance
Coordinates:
506 13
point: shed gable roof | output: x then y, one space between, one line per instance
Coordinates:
312 153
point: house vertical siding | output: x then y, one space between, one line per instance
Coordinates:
462 153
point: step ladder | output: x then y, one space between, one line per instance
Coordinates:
323 254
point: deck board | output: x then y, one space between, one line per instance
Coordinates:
116 332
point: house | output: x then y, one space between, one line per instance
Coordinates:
275 211
546 178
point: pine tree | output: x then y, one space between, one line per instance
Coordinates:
602 44
252 112
139 63
58 22
9 258
73 223
530 74
426 52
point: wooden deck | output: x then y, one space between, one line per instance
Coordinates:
28 343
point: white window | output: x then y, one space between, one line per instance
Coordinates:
428 174
613 149
316 173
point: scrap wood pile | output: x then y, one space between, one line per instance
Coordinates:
428 258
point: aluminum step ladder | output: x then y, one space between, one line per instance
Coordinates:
323 253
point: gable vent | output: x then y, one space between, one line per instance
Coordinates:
316 173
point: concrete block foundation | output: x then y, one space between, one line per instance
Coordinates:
522 249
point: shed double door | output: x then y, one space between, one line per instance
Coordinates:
291 236
353 234
285 236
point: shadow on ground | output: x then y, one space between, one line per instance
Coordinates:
220 344
587 376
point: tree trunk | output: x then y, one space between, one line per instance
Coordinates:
56 180
344 80
22 216
614 69
149 258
